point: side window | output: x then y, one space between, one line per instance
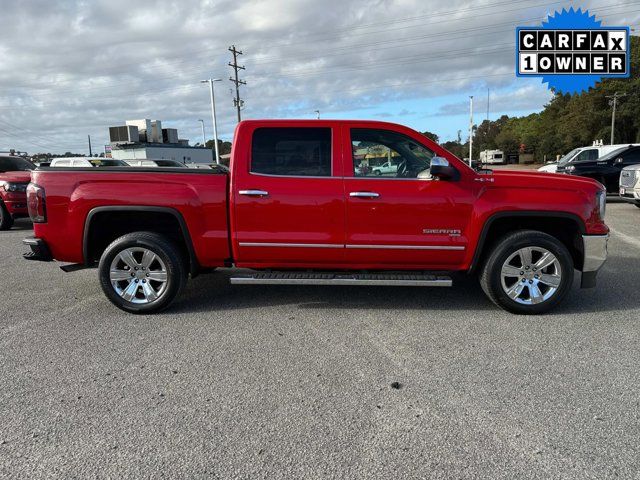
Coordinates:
586 155
387 154
632 157
300 152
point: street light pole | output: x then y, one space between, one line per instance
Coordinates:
204 141
213 116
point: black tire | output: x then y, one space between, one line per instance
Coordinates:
6 220
167 252
491 272
637 205
377 173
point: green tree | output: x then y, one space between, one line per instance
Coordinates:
431 136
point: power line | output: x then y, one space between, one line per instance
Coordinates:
447 36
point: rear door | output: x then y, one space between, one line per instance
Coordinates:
401 219
288 197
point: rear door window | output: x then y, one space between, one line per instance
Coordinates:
631 157
298 152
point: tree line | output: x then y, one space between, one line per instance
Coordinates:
566 122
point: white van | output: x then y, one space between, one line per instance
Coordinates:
581 154
492 156
144 162
86 162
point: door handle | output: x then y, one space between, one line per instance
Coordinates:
254 193
364 194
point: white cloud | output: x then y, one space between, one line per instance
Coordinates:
72 68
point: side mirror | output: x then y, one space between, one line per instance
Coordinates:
441 169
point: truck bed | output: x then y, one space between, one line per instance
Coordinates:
75 196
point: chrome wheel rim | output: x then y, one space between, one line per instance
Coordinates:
531 275
138 275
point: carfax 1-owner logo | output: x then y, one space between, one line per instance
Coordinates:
572 51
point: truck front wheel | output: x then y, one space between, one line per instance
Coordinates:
142 272
528 272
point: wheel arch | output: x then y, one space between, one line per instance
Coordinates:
170 219
565 226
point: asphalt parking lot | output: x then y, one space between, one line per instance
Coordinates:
296 382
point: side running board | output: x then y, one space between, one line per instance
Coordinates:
373 279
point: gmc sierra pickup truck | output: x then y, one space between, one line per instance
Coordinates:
302 204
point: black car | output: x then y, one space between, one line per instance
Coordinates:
605 169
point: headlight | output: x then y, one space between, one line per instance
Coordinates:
14 187
601 203
569 168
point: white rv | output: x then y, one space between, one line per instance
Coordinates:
492 156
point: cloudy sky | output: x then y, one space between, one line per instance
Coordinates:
73 68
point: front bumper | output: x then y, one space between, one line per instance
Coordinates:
629 194
39 250
595 254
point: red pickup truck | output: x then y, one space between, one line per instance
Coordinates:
14 178
303 203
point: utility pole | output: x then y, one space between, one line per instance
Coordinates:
470 128
90 153
204 141
236 101
614 102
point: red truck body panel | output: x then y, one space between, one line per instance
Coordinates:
314 222
200 199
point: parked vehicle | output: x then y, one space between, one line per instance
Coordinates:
85 162
296 209
492 157
581 154
607 168
15 173
386 168
630 184
155 163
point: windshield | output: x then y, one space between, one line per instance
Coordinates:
168 163
569 156
15 164
109 163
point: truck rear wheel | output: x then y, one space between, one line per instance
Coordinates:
529 272
6 220
142 272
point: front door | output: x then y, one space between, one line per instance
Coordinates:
288 205
401 218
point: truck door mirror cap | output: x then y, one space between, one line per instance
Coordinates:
442 170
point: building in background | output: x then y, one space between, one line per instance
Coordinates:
146 139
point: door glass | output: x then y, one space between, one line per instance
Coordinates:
387 154
586 155
632 157
300 152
